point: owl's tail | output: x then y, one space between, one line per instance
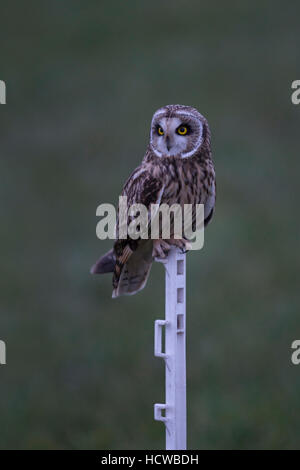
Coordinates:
130 277
105 264
135 272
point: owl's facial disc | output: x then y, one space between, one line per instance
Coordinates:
177 135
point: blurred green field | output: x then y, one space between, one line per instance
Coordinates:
83 80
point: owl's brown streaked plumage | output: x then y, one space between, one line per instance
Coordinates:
177 169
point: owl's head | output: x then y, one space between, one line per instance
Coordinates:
177 130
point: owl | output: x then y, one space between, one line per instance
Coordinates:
177 169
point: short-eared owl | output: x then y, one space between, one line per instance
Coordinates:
177 168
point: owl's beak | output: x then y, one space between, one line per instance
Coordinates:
168 143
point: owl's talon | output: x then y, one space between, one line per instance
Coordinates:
181 243
161 249
187 247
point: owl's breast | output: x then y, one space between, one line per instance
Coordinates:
185 184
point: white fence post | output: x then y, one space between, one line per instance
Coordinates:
173 411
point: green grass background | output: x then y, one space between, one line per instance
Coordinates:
83 79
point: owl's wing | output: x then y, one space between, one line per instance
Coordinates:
143 188
209 204
133 258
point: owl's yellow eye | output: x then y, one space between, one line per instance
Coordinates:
182 130
160 131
